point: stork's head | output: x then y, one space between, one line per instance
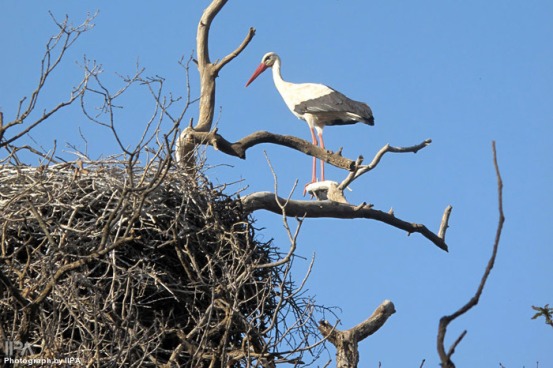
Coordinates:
267 61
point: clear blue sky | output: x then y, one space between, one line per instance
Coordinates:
463 73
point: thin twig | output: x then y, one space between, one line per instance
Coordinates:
362 169
445 358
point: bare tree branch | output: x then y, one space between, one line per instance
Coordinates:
445 222
445 358
347 342
292 237
239 148
208 74
224 61
362 169
334 191
56 48
202 36
266 201
209 71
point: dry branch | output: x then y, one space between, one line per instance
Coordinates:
224 61
208 73
334 191
362 169
346 342
445 357
445 222
56 49
268 201
240 147
207 70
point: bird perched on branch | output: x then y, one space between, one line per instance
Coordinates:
317 104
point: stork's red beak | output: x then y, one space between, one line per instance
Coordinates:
260 69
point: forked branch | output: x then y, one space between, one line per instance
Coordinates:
208 73
362 169
346 342
334 191
445 357
56 49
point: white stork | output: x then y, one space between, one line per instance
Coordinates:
317 104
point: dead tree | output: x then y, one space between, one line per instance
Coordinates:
332 202
140 261
336 205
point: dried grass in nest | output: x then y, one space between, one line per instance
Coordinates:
130 267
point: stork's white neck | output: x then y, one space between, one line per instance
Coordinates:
280 83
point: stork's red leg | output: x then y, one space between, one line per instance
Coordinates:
314 169
322 144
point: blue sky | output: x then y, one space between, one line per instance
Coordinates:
461 73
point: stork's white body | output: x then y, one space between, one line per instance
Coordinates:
317 104
294 94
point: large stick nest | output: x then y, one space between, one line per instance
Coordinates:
123 266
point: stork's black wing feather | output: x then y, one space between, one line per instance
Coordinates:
343 109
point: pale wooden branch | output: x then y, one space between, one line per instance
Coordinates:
224 61
445 358
185 147
362 169
445 222
347 342
334 191
239 148
202 36
316 209
209 71
208 74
